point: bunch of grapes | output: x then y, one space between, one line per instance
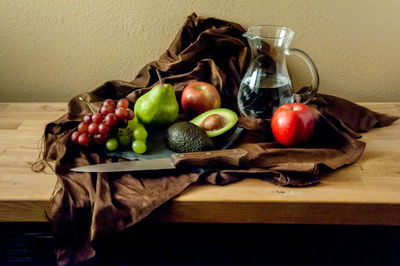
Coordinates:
97 127
134 134
139 136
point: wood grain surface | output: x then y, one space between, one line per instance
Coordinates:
367 192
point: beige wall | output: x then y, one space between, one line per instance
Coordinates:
53 50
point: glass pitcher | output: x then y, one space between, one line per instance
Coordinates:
266 84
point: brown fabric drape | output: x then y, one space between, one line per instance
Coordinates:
86 207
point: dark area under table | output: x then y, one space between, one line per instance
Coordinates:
149 243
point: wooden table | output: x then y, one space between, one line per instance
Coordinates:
365 193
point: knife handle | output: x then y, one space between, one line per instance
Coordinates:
231 157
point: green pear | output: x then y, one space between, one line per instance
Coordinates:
158 107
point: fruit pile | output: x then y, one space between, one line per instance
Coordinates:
118 126
114 125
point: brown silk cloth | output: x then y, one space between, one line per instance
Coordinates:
85 207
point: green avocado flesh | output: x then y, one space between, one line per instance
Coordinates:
187 137
229 119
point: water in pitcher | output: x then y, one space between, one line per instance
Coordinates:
261 101
266 84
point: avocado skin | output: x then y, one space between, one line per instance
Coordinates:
187 137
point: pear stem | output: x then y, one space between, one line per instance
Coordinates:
159 77
88 104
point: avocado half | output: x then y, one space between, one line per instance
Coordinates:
228 117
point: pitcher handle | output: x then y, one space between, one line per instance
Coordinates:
306 96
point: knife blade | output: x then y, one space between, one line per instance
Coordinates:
206 159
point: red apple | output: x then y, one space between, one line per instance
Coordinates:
199 97
292 124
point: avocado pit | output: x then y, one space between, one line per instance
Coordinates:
213 122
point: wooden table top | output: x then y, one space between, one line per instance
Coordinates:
365 193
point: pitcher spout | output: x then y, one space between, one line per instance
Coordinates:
269 39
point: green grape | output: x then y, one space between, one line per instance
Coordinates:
140 133
112 144
124 131
132 124
124 140
139 146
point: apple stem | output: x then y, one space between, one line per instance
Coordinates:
159 77
88 104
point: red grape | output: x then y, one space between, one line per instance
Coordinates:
124 103
75 136
93 128
100 138
104 129
122 123
98 126
131 115
121 113
109 102
97 118
83 127
83 139
106 109
87 118
111 119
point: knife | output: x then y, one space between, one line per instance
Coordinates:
205 159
